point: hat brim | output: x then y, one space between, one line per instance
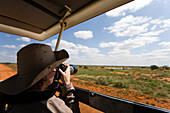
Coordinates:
17 83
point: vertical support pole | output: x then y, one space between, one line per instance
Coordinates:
60 35
62 24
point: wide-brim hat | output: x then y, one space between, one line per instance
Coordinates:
34 61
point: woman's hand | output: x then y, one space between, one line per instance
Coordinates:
65 76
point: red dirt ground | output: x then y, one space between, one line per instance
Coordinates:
146 99
6 72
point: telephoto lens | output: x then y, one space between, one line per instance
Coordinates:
73 70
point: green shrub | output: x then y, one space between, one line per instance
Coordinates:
161 94
7 63
111 69
153 83
165 67
121 84
148 97
153 104
147 91
85 67
147 102
101 81
153 67
163 75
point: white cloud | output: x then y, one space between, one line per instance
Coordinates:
159 56
9 46
153 28
84 34
67 45
147 34
129 26
130 43
109 44
52 43
156 21
119 53
136 43
133 30
165 1
165 44
124 57
22 45
153 33
25 39
3 53
166 23
130 7
77 49
163 23
7 57
139 26
90 52
63 44
131 20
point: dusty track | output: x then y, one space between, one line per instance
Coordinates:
6 72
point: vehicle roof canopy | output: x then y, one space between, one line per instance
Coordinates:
40 19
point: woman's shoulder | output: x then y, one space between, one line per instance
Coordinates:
55 104
54 100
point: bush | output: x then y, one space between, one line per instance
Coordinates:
106 81
102 81
85 67
147 91
120 84
153 67
7 63
161 94
147 102
153 104
80 66
102 67
165 67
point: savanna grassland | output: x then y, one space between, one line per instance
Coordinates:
133 83
139 84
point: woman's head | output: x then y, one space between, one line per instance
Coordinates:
34 62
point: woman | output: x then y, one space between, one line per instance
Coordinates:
27 90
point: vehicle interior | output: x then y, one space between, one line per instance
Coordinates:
42 19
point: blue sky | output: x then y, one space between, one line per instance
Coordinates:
136 34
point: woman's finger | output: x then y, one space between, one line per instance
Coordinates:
61 72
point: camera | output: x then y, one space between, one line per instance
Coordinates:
73 70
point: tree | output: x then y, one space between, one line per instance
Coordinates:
152 67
